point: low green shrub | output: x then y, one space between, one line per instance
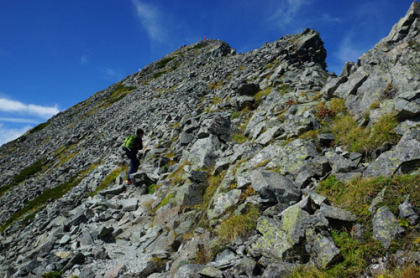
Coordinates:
357 194
356 254
261 94
163 62
236 115
337 105
410 271
152 188
39 127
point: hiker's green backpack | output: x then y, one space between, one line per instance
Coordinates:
129 142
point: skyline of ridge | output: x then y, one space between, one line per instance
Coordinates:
57 54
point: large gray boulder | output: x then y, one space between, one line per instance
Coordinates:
385 226
202 153
322 249
223 202
403 158
274 241
274 187
291 159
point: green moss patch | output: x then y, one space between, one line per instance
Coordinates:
50 194
356 196
23 175
110 178
120 92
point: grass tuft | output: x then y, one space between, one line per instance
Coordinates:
364 139
238 225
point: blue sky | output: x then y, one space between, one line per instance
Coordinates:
56 53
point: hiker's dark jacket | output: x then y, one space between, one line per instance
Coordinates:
137 146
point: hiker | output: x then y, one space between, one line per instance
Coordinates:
131 146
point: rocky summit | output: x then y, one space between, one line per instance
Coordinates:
257 164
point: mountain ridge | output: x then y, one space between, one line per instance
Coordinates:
249 134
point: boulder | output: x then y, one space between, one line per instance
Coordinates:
223 202
189 194
385 226
407 211
322 249
274 242
403 158
220 126
274 187
247 89
336 214
130 204
291 159
202 153
268 135
338 163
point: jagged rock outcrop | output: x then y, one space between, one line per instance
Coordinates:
236 147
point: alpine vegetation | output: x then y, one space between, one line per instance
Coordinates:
258 164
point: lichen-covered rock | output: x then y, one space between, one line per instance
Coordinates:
223 202
274 241
385 226
403 158
291 158
274 187
322 249
407 211
338 163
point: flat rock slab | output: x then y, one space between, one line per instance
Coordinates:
113 190
129 204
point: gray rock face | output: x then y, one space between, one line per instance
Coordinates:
403 158
385 73
407 211
385 226
223 202
202 153
274 187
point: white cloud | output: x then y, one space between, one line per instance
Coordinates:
349 51
151 19
9 134
19 120
12 106
287 11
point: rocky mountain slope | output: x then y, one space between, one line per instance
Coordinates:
258 164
